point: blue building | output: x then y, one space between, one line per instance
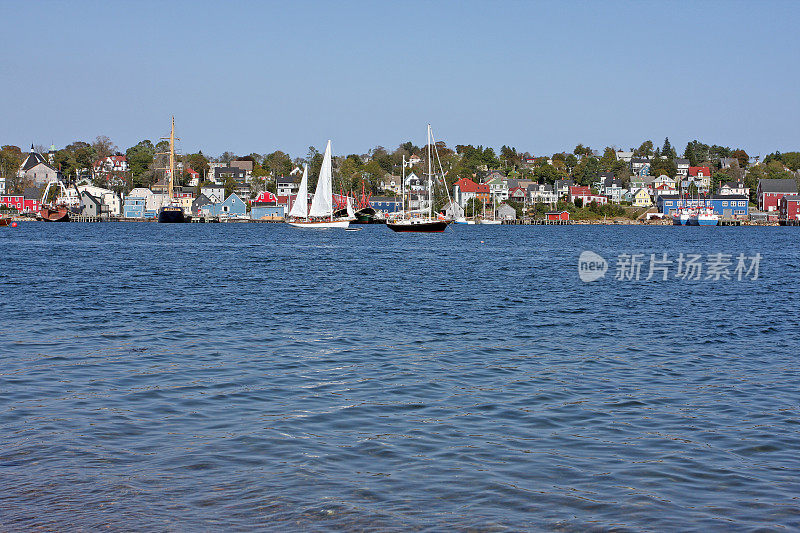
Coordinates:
232 206
726 206
133 207
386 204
270 211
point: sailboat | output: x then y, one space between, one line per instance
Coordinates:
427 224
492 220
320 216
172 212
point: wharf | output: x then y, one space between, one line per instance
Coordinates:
536 222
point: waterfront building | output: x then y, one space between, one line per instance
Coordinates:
107 197
386 204
232 206
557 215
498 186
91 206
771 191
518 194
199 202
726 206
506 212
135 203
21 203
789 207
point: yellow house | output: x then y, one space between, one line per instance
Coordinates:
641 198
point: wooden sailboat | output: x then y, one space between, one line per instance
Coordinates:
427 224
172 212
320 216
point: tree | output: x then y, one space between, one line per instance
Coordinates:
10 161
103 147
140 164
230 185
608 160
581 150
742 157
278 163
644 150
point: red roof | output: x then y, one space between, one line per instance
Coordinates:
189 170
467 185
514 189
694 171
577 190
265 197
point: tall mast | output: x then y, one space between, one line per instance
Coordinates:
403 188
171 157
430 176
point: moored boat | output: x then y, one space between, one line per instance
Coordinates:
172 213
418 225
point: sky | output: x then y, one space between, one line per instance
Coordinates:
538 76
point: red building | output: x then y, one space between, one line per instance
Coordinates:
21 204
585 194
517 194
557 215
770 192
790 208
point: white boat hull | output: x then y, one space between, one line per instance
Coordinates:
491 222
320 224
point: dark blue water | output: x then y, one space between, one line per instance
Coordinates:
241 376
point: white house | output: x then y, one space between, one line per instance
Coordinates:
215 193
108 198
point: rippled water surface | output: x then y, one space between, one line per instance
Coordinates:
241 376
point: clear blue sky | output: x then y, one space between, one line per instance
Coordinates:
256 76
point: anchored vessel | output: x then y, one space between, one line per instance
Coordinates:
66 201
425 224
321 214
172 212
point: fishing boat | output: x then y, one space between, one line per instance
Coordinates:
4 221
703 216
681 216
320 216
66 202
171 213
422 224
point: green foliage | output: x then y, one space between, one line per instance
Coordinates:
608 160
548 174
578 202
644 150
587 171
140 164
698 153
790 159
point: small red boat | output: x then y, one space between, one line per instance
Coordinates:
4 221
54 213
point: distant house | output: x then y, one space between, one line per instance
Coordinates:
586 196
215 193
562 186
683 167
734 187
518 194
542 193
267 205
243 164
640 166
38 170
641 198
232 206
392 183
112 169
111 202
771 191
789 207
624 156
728 162
287 185
465 190
413 159
506 212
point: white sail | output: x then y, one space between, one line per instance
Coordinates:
300 206
322 204
350 212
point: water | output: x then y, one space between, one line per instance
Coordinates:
241 376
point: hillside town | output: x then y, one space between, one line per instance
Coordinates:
645 183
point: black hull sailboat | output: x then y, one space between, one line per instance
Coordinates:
418 226
171 213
